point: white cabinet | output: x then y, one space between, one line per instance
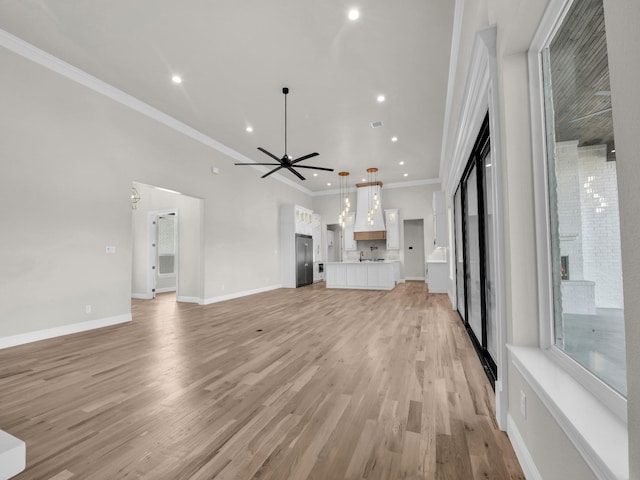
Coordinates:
303 220
316 233
393 229
440 230
349 239
363 275
438 277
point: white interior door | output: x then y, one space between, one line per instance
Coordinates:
414 261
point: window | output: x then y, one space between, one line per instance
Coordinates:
584 225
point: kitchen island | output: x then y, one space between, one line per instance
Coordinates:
366 275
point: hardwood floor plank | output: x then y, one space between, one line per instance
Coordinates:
307 383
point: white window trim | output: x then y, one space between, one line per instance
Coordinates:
597 433
550 362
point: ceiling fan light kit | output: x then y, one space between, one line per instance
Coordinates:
286 161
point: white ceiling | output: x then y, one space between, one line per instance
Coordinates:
236 55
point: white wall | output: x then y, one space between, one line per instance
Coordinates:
622 19
69 157
517 20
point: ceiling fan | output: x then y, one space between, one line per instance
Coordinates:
286 161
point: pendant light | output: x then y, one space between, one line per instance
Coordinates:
345 202
374 200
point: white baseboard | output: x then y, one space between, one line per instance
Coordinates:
522 452
165 290
21 339
231 296
189 299
421 279
13 455
142 296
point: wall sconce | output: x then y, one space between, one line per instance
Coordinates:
135 198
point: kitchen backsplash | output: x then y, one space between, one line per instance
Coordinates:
372 250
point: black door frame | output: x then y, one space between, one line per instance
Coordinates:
480 151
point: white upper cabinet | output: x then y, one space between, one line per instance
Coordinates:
440 231
303 220
393 229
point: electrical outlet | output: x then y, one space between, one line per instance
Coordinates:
87 308
523 404
110 249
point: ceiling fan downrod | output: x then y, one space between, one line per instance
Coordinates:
285 90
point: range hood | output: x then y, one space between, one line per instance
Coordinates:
363 229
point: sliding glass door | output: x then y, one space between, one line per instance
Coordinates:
474 250
459 252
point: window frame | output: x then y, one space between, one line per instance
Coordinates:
614 401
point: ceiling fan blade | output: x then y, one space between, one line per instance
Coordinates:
296 173
314 154
315 168
271 155
272 164
272 171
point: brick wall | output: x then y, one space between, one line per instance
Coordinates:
589 224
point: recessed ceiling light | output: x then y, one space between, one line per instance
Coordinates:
354 14
315 174
406 174
381 98
394 139
401 163
249 129
328 184
176 79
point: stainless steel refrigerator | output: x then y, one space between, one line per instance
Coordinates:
304 260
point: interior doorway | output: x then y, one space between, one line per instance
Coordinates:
414 259
163 259
334 243
167 250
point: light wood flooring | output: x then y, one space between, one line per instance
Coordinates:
304 383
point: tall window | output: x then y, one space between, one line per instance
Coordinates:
586 266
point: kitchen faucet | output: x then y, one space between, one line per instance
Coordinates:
361 255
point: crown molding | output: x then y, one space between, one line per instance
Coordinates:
453 65
412 183
53 63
